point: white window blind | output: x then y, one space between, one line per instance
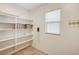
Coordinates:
52 22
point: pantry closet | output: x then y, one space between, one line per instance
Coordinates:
15 33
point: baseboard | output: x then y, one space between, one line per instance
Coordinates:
40 50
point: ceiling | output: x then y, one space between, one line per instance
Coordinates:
29 6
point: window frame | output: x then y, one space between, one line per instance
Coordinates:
52 21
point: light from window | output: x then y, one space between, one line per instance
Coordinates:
52 22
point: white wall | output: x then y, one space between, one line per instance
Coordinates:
65 43
12 8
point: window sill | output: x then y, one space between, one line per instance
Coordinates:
52 33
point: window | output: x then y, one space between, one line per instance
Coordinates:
52 22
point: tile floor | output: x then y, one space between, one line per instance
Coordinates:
29 51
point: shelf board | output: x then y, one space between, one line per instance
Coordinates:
23 42
15 44
6 29
12 18
14 22
4 14
11 53
14 37
15 29
23 36
6 47
6 39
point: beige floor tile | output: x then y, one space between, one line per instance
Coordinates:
29 51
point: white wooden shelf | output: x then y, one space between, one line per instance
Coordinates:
23 42
15 37
6 39
9 20
6 29
19 28
24 21
7 14
15 45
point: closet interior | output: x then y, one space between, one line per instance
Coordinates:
15 33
